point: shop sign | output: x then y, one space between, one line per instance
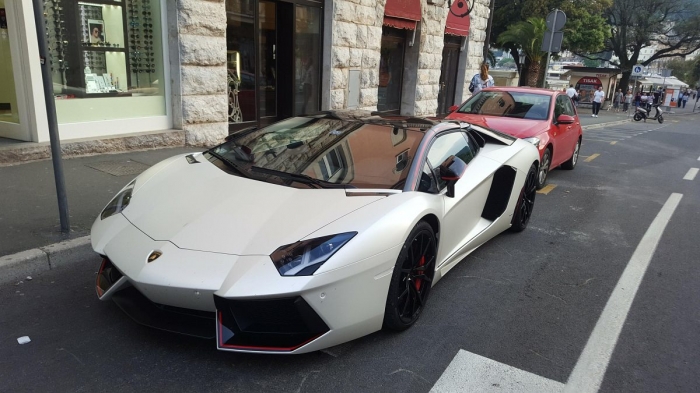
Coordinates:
589 80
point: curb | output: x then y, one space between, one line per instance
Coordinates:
17 266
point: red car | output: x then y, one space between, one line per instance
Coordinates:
545 118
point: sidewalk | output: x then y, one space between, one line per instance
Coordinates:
30 237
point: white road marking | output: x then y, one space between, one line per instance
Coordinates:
591 365
692 172
698 158
469 372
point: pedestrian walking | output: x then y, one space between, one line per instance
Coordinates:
598 99
637 99
617 99
573 94
481 80
685 98
628 100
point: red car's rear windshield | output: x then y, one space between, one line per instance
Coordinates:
508 104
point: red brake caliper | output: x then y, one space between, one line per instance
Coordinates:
420 280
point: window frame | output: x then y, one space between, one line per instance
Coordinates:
441 188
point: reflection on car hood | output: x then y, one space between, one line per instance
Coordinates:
519 128
200 207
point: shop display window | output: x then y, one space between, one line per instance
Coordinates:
106 58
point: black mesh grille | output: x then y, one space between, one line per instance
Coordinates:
270 324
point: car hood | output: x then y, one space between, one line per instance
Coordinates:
200 207
519 128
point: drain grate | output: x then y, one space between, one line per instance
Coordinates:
119 168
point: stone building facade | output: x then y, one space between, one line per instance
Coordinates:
333 60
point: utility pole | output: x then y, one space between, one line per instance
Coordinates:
489 24
553 38
51 115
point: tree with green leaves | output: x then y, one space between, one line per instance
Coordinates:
670 26
585 30
528 36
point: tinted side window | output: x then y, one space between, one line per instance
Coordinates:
559 107
427 181
569 107
453 144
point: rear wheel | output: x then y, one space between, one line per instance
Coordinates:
544 168
412 278
571 162
523 210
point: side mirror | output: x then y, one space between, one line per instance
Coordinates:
565 119
453 108
452 170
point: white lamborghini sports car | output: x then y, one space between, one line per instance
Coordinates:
310 232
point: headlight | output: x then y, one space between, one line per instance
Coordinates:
119 202
305 257
534 140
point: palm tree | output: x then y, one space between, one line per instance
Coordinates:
527 35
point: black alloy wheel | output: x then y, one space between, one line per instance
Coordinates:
526 202
544 168
412 278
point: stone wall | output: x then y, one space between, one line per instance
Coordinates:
199 85
357 37
357 31
432 41
477 36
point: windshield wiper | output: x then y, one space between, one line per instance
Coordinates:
298 177
228 163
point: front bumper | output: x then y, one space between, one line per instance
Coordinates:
242 300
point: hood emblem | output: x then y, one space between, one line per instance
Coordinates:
154 255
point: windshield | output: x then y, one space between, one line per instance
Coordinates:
322 152
508 104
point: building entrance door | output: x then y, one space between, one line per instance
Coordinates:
274 61
448 74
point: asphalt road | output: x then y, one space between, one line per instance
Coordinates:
528 300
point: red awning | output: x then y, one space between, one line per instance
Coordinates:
457 23
402 14
399 23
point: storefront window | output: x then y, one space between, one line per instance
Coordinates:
391 69
240 45
106 59
8 97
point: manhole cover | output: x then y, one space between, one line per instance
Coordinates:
119 168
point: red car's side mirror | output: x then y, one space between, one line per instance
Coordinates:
453 108
565 119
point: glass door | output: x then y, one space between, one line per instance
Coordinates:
307 60
267 71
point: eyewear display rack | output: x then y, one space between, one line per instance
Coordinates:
100 48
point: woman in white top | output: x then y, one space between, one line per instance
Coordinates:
481 80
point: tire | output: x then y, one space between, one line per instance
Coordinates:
637 117
526 202
571 162
412 279
544 168
660 119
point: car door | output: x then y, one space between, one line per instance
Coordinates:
562 133
461 213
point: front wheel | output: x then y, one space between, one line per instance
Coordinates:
571 162
544 168
412 278
637 117
660 119
523 210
